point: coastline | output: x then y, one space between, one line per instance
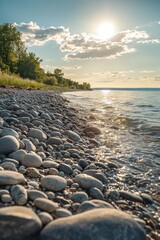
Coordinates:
66 150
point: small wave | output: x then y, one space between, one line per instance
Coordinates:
125 121
145 105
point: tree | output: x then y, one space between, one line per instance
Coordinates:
11 46
59 76
28 66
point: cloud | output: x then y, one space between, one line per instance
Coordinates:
149 41
81 46
32 34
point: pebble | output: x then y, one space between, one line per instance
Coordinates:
45 218
9 166
18 223
37 133
11 178
62 213
87 182
9 131
92 204
32 172
130 196
8 144
79 197
45 204
54 183
33 194
96 193
32 160
72 135
102 224
6 198
66 168
18 155
54 141
19 195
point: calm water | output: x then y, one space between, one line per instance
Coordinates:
130 122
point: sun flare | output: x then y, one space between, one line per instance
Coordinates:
105 30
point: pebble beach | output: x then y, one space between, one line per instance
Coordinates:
53 185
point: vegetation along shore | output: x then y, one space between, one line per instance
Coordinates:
17 65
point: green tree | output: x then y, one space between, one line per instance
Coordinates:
59 76
28 66
11 46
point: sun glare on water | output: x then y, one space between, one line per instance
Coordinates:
105 30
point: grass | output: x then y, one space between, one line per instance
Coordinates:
7 80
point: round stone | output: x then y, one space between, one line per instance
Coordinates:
8 144
37 133
19 195
45 204
72 135
33 194
45 218
101 224
18 223
79 197
9 131
54 183
87 182
11 178
32 160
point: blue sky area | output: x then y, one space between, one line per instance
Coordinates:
108 43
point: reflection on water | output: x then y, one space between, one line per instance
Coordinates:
131 127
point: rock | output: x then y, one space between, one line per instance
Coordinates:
54 183
58 122
32 160
45 204
87 182
50 164
130 196
11 178
9 131
32 172
101 224
96 193
29 146
92 204
9 166
33 194
19 195
147 198
67 169
37 133
62 212
45 218
72 135
54 141
8 144
18 223
18 155
6 198
94 130
79 197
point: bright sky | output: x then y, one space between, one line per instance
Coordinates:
108 43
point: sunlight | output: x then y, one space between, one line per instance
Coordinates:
105 30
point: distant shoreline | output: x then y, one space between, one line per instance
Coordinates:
128 89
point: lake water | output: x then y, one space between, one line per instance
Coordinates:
130 122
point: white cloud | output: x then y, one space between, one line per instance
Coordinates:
81 46
33 34
151 41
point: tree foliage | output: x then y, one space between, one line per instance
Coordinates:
15 59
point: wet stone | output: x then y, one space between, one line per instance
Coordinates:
23 223
96 224
54 183
8 144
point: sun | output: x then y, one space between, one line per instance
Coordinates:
105 30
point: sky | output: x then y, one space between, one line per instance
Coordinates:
108 43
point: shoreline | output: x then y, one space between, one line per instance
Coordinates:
52 139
